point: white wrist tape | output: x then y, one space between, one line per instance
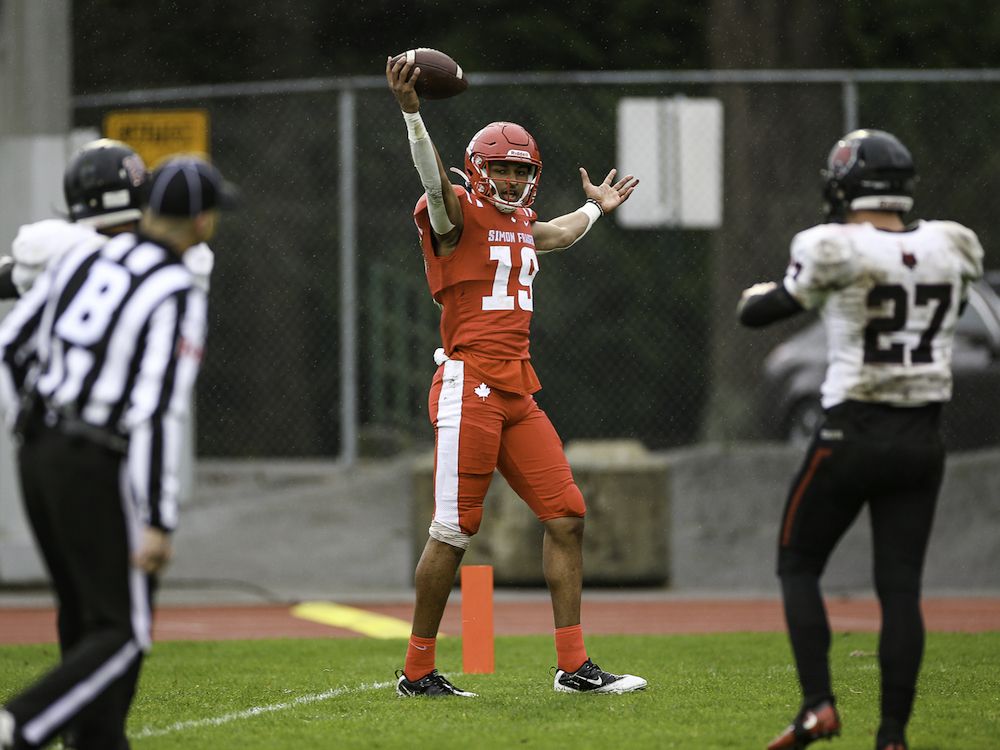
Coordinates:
425 161
593 211
415 127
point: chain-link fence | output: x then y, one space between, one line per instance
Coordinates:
633 334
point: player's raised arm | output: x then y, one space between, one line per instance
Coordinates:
563 231
443 208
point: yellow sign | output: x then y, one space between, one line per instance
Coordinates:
158 133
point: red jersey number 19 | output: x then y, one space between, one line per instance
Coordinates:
500 299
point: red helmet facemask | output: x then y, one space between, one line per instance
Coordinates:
508 142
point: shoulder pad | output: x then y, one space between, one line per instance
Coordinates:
965 242
823 259
823 246
36 244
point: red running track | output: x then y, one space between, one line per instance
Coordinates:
615 615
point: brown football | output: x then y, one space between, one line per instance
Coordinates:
440 76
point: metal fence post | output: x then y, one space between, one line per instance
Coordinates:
348 280
850 96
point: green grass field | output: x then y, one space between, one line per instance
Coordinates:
707 691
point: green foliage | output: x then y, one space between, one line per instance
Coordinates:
943 125
709 691
239 40
923 33
123 44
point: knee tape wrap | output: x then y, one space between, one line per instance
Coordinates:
448 535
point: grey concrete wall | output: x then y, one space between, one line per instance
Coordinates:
627 519
293 530
288 530
726 504
19 560
35 72
717 509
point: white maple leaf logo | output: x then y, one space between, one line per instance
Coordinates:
482 390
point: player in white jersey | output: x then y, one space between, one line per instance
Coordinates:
104 185
890 295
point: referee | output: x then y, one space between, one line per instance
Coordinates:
97 363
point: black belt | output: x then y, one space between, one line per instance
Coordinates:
72 427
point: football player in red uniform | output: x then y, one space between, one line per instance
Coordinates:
481 245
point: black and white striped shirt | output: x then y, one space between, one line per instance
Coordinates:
111 337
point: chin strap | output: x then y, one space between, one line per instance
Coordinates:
464 176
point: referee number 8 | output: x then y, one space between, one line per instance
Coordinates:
87 317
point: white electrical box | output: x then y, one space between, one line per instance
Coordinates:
674 146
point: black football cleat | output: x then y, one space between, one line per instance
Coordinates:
818 723
433 685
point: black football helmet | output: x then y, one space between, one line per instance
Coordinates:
868 170
105 184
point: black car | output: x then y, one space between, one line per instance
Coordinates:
794 371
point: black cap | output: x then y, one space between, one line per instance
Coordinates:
186 186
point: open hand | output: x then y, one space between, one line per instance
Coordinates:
609 195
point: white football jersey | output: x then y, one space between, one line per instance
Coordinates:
889 302
37 245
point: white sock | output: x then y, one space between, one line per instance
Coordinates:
6 730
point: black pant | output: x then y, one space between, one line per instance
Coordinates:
891 458
83 527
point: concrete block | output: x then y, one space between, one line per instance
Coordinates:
726 502
706 518
627 518
964 552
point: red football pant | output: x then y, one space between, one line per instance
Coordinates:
479 429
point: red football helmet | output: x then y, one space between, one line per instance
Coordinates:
502 141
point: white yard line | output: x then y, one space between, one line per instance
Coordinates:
249 713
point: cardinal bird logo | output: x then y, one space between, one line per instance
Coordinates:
842 158
909 259
482 390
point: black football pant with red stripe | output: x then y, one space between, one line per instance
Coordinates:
892 459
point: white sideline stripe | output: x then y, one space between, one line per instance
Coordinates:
249 713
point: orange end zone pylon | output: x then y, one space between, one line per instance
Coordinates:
477 619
